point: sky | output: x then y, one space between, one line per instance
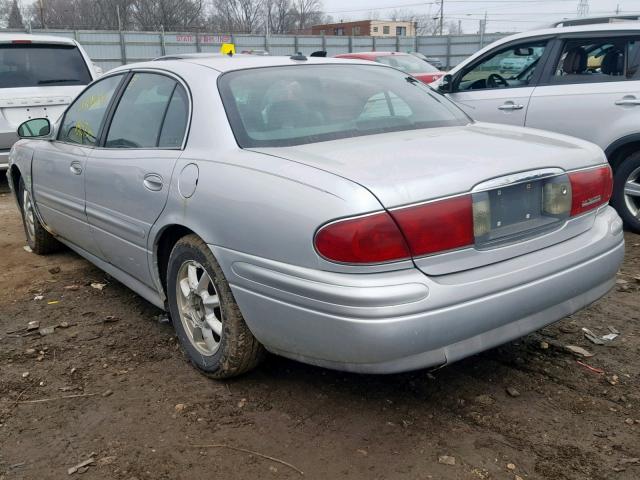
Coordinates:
502 15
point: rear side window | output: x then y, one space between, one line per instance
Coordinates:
139 120
83 119
175 122
593 60
37 65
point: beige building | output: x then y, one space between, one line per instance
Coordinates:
367 28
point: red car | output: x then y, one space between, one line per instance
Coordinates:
406 62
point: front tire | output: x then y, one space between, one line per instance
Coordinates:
205 315
626 191
39 240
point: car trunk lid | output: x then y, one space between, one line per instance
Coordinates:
417 166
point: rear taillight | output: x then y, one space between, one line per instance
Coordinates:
413 231
590 189
21 41
369 239
437 226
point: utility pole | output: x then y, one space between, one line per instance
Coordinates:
617 9
441 17
41 8
483 28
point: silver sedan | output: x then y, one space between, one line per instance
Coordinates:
336 212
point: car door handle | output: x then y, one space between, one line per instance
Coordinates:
628 100
511 106
153 182
76 168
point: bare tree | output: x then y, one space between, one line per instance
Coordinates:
167 14
15 16
281 16
426 24
307 13
240 16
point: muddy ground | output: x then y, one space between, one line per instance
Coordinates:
116 388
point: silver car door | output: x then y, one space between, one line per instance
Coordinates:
128 178
496 88
587 93
58 168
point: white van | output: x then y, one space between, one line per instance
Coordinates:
39 76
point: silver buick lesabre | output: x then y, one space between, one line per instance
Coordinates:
336 212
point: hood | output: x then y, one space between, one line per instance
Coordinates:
401 168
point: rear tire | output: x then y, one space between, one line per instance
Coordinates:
39 240
205 315
627 175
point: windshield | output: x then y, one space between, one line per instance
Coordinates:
295 105
407 63
37 65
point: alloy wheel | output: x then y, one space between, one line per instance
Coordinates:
632 192
29 214
199 307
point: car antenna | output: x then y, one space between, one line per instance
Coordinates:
298 56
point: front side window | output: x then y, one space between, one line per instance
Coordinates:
38 65
507 68
592 61
82 121
142 111
282 106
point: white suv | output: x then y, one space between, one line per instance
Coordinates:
39 76
582 81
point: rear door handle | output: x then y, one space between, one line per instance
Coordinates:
628 100
510 106
76 168
153 182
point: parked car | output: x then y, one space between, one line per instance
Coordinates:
434 61
39 76
337 212
406 62
582 81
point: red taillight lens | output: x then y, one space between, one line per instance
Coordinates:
21 41
437 226
369 239
590 189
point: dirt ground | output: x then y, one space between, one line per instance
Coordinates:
116 388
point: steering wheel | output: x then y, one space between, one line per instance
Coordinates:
495 80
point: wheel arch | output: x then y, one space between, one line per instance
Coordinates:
621 148
14 177
164 243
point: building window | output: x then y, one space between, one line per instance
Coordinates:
323 32
385 30
401 31
355 31
340 31
375 29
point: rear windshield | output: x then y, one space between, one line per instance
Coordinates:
407 63
36 65
295 105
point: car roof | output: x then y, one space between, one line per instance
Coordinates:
600 27
26 37
368 54
226 63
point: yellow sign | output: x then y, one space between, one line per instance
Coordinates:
228 48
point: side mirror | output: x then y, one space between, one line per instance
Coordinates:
446 84
523 52
34 128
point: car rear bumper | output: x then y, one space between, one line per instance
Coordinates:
398 321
